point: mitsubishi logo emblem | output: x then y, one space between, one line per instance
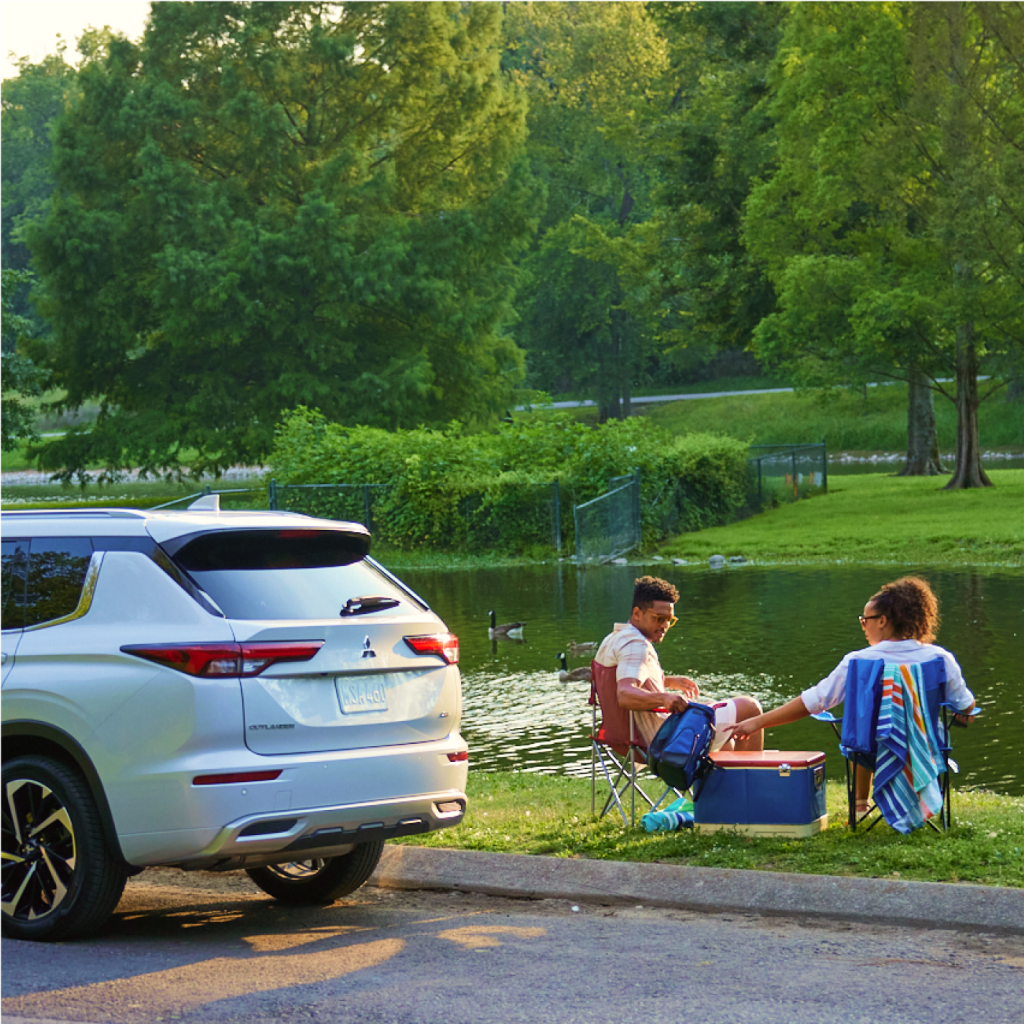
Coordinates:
368 651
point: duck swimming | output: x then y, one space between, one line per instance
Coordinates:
575 648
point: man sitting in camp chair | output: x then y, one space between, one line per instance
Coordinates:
627 655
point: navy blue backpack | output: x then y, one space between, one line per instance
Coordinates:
678 754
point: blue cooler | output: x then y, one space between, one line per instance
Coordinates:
764 793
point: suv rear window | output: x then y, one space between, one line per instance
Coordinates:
287 574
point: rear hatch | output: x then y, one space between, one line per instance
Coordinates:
310 594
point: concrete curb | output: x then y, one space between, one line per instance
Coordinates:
712 890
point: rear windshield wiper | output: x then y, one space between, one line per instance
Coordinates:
365 605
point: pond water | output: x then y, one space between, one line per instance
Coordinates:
769 632
892 462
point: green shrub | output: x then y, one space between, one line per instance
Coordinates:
453 491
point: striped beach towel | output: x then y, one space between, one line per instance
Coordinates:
909 760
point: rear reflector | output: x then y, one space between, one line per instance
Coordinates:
444 645
462 755
222 660
229 777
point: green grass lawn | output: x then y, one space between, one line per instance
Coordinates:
517 812
129 494
846 421
880 519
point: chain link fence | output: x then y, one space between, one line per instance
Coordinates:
783 473
507 514
515 515
351 502
611 524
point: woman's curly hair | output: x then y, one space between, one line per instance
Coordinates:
911 607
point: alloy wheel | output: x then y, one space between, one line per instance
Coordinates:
38 850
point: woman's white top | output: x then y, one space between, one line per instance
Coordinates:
832 689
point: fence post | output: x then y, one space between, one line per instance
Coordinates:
366 506
272 495
760 496
824 467
558 518
639 535
796 479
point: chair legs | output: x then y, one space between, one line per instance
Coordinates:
858 781
621 777
858 786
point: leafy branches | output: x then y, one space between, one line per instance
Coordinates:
267 204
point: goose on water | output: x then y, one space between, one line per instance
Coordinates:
575 648
511 629
567 675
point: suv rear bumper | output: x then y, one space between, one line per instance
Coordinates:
367 795
325 831
272 838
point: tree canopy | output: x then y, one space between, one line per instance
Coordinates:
22 379
593 74
262 205
893 226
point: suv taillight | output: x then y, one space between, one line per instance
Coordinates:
220 660
444 645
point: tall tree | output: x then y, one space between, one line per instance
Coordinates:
897 198
591 71
713 140
21 378
33 100
262 205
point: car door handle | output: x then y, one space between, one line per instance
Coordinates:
3 657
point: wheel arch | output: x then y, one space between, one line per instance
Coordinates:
25 737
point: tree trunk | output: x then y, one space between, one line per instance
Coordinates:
968 472
608 389
620 325
922 437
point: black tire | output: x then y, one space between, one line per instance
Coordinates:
318 882
60 879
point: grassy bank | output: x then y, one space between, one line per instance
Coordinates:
870 518
881 519
130 494
550 815
875 420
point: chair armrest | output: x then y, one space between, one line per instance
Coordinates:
971 715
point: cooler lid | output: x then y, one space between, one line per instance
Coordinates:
767 758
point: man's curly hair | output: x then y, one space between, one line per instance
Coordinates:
648 589
911 607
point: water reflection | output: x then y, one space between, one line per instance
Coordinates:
769 632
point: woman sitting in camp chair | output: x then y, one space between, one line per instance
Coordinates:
899 623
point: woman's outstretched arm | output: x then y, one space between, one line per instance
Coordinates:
792 711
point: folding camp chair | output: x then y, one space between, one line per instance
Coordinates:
876 746
617 746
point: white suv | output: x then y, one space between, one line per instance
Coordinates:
212 690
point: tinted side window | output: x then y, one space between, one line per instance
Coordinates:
12 583
56 572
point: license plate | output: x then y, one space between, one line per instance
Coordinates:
358 696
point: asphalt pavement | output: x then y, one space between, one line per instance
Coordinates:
878 900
